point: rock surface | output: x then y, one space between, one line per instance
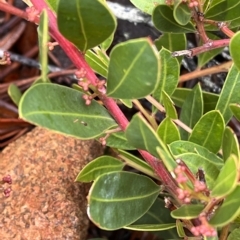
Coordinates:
45 202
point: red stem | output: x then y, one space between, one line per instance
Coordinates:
212 44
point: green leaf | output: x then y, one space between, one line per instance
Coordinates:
233 47
180 229
118 140
228 211
187 211
205 57
146 138
107 43
102 55
169 74
181 12
151 227
168 131
164 21
112 208
64 110
14 93
157 214
235 234
192 110
235 108
227 178
96 63
157 217
85 23
147 6
136 163
224 10
53 4
194 161
180 147
172 42
99 166
133 70
43 40
169 106
229 93
126 102
229 144
208 131
210 99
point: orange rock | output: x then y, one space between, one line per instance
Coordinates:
45 202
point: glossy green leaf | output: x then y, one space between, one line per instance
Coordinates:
147 139
43 40
158 214
112 208
96 63
205 57
181 12
126 102
168 131
228 211
118 140
136 163
210 99
235 108
227 178
52 4
229 144
166 157
187 211
223 10
195 161
169 74
192 110
147 6
151 227
169 106
180 229
208 131
14 93
102 55
181 147
133 69
85 23
64 110
229 93
107 43
172 42
164 21
233 48
235 234
99 166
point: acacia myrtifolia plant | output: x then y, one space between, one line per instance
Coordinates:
189 186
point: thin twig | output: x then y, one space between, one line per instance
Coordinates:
150 119
208 71
162 109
